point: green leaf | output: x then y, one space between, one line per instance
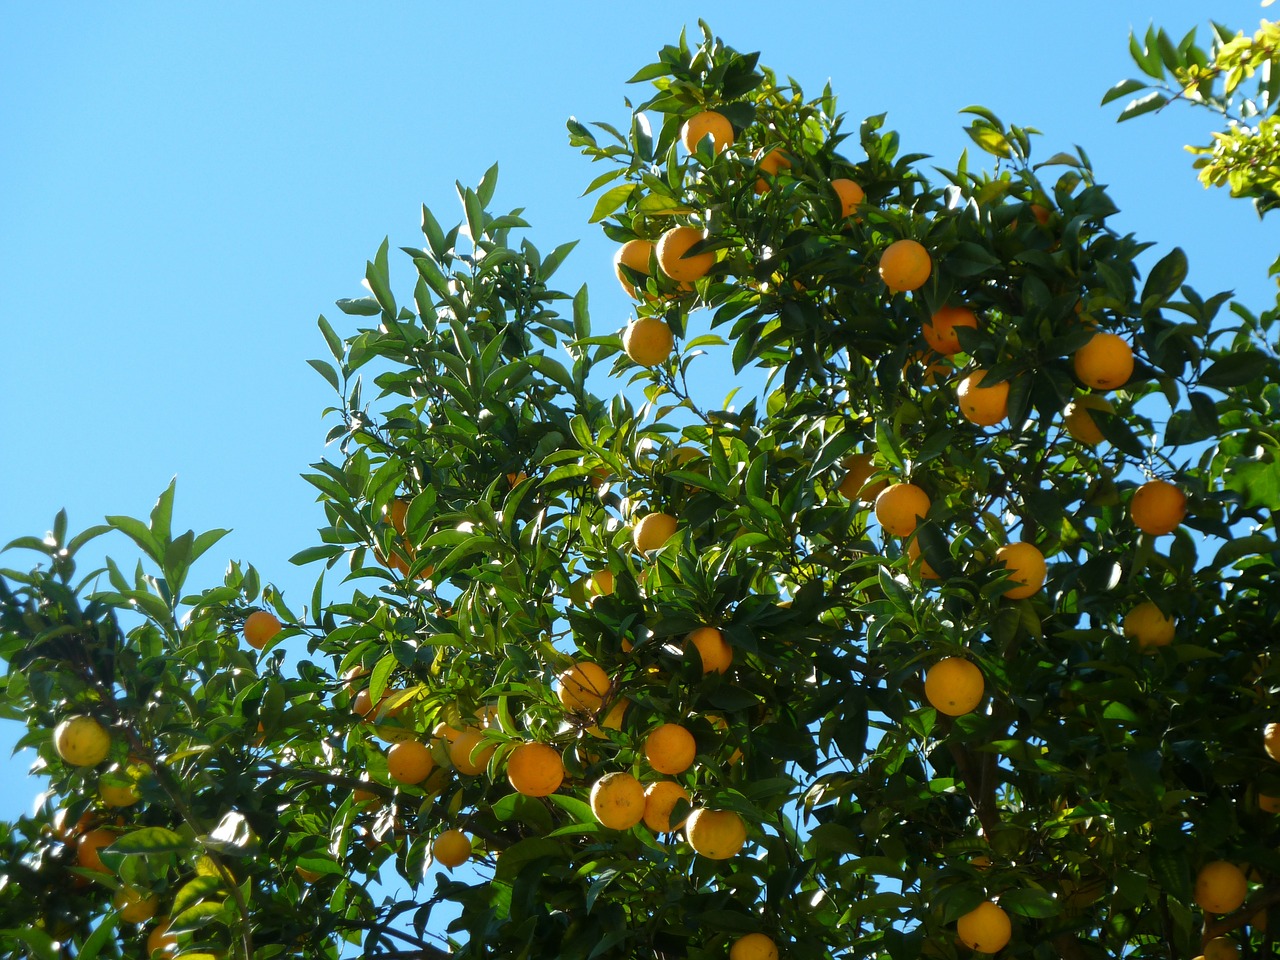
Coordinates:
992 141
326 370
37 941
611 200
1030 902
196 891
1122 89
1165 279
361 307
139 533
103 935
1237 369
147 840
1144 104
193 918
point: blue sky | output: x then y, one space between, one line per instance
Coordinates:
184 188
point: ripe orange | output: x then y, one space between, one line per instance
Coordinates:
612 718
90 844
1268 804
671 250
617 800
1147 624
715 834
1105 362
652 531
1080 425
849 194
940 329
463 753
1027 570
704 124
670 749
648 341
1271 740
1221 948
582 688
260 628
633 254
1220 887
985 406
451 849
914 556
409 761
716 655
660 799
770 163
900 507
81 741
1158 507
115 794
905 265
160 940
600 584
134 905
860 467
535 769
985 929
953 686
397 512
754 946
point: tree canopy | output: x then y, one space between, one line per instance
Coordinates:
948 631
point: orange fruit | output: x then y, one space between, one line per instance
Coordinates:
708 123
1268 804
90 844
715 834
660 798
714 652
953 686
160 940
849 194
409 761
652 531
617 800
754 946
582 688
535 769
771 163
451 849
1220 887
1271 740
671 250
1147 624
1221 948
600 584
612 718
397 513
1158 507
905 265
940 329
463 753
67 832
985 929
914 556
900 507
634 254
81 741
1027 570
134 905
670 749
648 341
260 628
118 795
1104 363
366 798
859 467
1080 425
985 406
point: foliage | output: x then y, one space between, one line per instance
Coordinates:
1237 78
477 481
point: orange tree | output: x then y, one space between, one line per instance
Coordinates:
951 634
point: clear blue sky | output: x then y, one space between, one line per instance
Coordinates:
184 188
